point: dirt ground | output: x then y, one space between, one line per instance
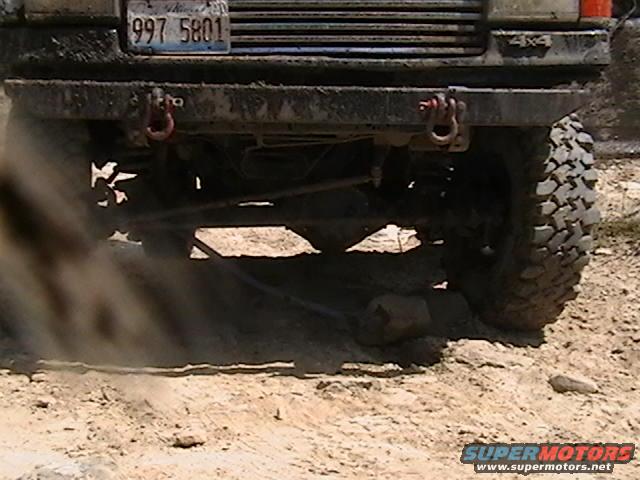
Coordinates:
280 393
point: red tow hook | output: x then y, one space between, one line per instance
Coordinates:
443 111
159 122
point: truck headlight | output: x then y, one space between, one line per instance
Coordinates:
547 10
64 10
10 10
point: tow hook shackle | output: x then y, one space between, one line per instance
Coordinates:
443 111
159 124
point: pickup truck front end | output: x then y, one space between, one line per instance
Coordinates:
332 118
264 56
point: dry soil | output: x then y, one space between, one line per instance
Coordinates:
281 393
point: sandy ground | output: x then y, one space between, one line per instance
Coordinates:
284 394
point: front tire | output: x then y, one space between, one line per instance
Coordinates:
549 214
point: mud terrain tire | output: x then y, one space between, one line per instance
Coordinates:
545 243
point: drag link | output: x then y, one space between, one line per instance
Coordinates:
235 201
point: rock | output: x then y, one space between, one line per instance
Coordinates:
189 439
631 186
392 318
604 252
279 415
449 310
72 471
485 354
414 355
346 387
106 396
44 402
39 378
466 430
563 383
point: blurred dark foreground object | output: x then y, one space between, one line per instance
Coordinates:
62 295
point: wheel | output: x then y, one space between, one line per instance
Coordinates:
176 244
519 273
167 185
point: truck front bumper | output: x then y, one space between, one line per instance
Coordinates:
237 108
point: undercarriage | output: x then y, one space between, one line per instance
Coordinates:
347 186
331 118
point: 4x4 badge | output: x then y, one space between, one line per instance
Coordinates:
531 41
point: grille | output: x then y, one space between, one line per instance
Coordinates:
357 28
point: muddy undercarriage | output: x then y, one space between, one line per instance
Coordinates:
332 163
333 190
333 119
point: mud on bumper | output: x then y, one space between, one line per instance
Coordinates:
236 108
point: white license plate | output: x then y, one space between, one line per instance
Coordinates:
167 27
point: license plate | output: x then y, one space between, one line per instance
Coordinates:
167 27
